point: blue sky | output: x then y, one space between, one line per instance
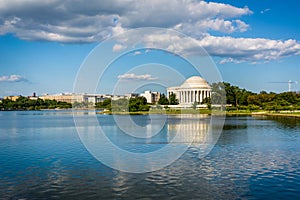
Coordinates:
44 43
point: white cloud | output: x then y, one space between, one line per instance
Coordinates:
265 10
249 49
137 53
229 48
79 21
118 47
226 60
203 26
135 77
13 78
241 26
231 60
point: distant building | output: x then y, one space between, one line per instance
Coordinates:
117 97
13 98
131 95
194 89
86 98
152 97
33 97
59 97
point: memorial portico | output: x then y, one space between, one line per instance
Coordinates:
194 89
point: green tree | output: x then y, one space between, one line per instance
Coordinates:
163 100
218 95
172 99
138 104
236 96
106 104
24 103
120 105
207 101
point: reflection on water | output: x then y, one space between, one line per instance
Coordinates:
128 147
192 129
42 157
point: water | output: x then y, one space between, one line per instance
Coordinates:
42 157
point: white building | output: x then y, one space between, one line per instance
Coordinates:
80 98
194 89
152 97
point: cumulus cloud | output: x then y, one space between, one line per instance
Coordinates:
13 78
118 47
221 25
135 77
231 49
226 60
249 49
79 21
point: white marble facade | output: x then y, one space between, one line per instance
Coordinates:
194 89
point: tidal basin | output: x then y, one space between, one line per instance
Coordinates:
42 157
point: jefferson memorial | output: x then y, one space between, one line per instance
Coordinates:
194 89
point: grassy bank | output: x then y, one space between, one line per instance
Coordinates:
206 111
278 114
168 112
238 112
263 113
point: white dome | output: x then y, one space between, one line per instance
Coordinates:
195 82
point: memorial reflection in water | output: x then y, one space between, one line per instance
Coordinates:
193 130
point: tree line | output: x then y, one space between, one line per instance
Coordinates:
163 100
242 99
134 104
24 103
234 97
124 105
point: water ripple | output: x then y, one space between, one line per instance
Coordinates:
43 158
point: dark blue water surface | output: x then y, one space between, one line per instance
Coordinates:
42 157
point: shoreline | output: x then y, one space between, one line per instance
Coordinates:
295 115
265 113
184 111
